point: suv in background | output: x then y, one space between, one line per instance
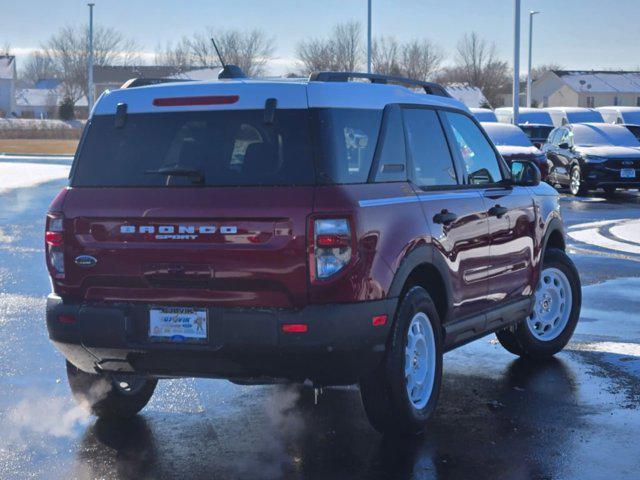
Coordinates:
316 230
564 115
534 122
628 117
593 155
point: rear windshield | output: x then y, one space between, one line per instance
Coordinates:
229 148
536 132
222 148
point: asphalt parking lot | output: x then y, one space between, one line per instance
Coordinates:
577 416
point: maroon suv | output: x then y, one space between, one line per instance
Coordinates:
324 230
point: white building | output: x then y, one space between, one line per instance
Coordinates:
590 89
7 84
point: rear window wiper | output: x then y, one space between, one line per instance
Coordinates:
195 173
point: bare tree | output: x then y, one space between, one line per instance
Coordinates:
385 56
421 59
477 64
5 48
175 55
537 72
341 51
68 52
37 66
249 50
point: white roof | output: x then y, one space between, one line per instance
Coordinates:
603 134
470 96
7 66
602 82
253 93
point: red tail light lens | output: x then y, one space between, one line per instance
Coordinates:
54 244
295 328
331 247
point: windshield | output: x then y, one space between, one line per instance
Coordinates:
506 135
632 118
231 147
591 136
541 117
584 117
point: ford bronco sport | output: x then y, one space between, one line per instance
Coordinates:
328 230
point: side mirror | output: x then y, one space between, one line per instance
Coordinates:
564 146
525 173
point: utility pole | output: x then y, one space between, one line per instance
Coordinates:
531 14
516 61
90 62
368 36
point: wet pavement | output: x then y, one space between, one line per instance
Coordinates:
576 416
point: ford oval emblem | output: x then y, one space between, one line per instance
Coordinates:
86 261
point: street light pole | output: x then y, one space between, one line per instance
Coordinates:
368 36
90 61
516 61
531 14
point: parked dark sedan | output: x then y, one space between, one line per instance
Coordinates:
593 155
513 144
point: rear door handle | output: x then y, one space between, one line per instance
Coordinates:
498 211
445 217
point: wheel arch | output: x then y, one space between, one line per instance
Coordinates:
554 237
424 267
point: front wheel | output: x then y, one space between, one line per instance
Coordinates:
110 396
402 393
576 187
555 313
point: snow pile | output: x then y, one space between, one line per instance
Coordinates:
21 175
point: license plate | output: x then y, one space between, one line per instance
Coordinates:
178 324
628 173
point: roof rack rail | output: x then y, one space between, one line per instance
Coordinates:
143 82
429 87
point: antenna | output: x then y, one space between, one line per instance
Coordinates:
228 71
222 62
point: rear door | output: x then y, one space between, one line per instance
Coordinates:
455 216
194 206
510 212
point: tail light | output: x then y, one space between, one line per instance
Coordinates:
543 166
331 247
54 243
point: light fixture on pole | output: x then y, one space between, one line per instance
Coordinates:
90 60
368 36
531 14
516 61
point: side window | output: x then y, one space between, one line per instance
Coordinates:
432 162
554 137
391 157
566 136
476 152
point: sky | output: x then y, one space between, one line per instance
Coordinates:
576 34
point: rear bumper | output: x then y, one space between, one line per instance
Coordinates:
244 344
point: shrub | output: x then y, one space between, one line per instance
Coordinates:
65 110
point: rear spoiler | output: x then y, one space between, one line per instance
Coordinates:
143 82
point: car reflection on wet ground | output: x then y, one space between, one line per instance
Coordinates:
575 416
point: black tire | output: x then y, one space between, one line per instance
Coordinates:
579 188
519 339
104 398
384 392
